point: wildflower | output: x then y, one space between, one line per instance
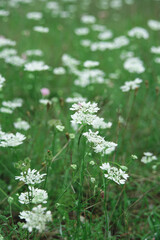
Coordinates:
34 15
45 101
114 174
93 180
33 52
74 166
31 177
20 124
4 13
138 32
82 31
59 71
15 60
36 66
71 135
41 29
148 157
16 103
134 65
154 25
2 80
107 34
36 219
89 64
6 42
134 157
11 140
60 128
155 50
99 143
88 19
35 196
131 85
92 163
45 91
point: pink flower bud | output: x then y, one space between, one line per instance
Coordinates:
45 91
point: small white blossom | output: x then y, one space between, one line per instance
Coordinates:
60 128
148 157
138 32
22 125
36 66
154 25
134 65
131 85
35 196
2 80
117 175
90 64
34 15
41 29
36 219
31 177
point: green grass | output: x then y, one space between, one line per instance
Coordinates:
133 209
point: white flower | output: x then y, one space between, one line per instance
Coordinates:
36 219
11 140
59 71
138 32
155 50
75 99
7 52
85 107
148 157
93 180
35 196
114 174
107 34
45 101
41 29
34 15
15 60
4 13
6 42
154 25
34 52
81 31
2 80
6 110
88 19
36 66
13 104
60 128
134 65
131 85
31 177
20 124
99 143
89 64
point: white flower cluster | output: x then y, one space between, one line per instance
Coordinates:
10 106
41 29
35 196
6 42
100 145
10 139
31 177
155 50
22 125
36 66
34 15
113 173
131 85
4 13
7 52
34 52
38 216
36 219
134 65
154 24
85 115
148 157
2 80
138 32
